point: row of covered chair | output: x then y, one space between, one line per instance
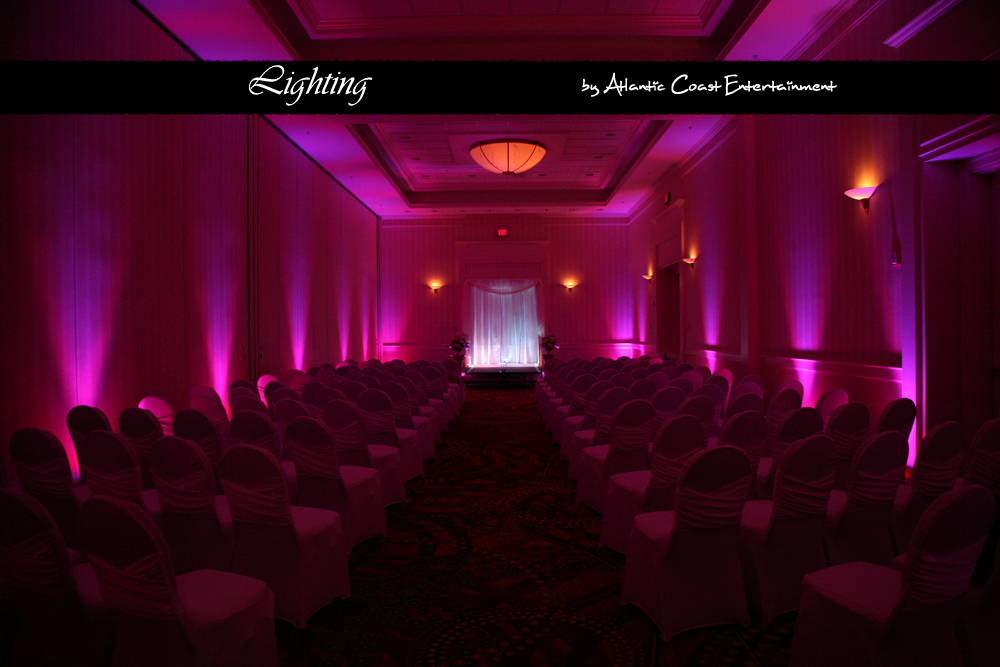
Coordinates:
824 488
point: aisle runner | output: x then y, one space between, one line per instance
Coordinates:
492 563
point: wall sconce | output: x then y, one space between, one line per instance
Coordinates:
569 286
689 261
649 278
435 287
862 194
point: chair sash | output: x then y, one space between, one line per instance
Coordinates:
315 460
800 498
188 495
934 578
632 438
379 421
666 471
143 589
266 441
47 480
401 411
351 438
210 445
263 501
34 565
985 470
604 422
871 490
936 478
706 511
847 443
121 484
142 444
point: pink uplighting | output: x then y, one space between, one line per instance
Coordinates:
218 296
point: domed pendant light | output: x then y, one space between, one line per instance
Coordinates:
507 156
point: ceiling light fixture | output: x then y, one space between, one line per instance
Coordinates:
507 156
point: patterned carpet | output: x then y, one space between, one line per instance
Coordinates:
491 563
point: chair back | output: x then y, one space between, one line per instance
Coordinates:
309 391
673 445
876 472
400 403
42 468
747 431
142 429
715 393
369 381
666 403
946 543
661 380
262 385
83 419
607 407
939 460
804 479
745 389
325 395
110 466
379 418
254 428
352 389
183 475
897 415
33 557
745 403
248 403
830 401
848 426
755 380
592 397
200 429
643 389
212 406
684 384
287 409
313 449
631 435
796 425
781 405
270 388
712 490
348 430
162 410
622 380
702 408
255 487
206 391
695 377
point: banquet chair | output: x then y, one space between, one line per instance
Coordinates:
859 518
254 428
284 411
162 410
243 384
299 552
584 421
979 617
607 406
848 426
416 385
263 382
142 429
796 425
666 402
309 392
248 403
684 384
354 492
661 380
348 430
42 468
702 408
111 467
270 388
451 383
716 394
197 427
379 419
682 567
830 401
694 377
786 400
631 435
652 490
781 540
898 415
745 389
203 617
756 380
58 615
369 381
405 419
865 614
325 395
939 460
644 389
205 391
437 388
242 392
746 431
638 372
83 419
196 523
574 406
622 380
705 371
217 413
559 396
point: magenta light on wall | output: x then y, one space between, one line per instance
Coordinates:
863 195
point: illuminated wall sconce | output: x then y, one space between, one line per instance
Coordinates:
862 194
569 286
689 261
649 278
435 287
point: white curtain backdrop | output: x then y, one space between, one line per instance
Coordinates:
502 320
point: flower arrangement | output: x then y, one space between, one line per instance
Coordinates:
460 343
548 343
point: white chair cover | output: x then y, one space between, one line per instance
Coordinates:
631 435
830 401
348 430
61 618
653 490
607 405
401 408
682 567
848 426
83 419
354 492
205 617
865 614
575 406
299 552
584 421
379 419
746 431
898 415
163 411
112 469
796 425
196 523
255 428
858 519
142 429
782 540
744 403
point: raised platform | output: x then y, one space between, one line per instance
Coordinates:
503 376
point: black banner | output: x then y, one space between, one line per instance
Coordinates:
501 87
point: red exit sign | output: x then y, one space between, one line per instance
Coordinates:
501 232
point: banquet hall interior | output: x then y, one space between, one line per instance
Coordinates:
846 265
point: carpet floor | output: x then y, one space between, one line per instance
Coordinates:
491 563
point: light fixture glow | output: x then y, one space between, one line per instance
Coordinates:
569 286
689 261
649 278
507 156
435 287
862 194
